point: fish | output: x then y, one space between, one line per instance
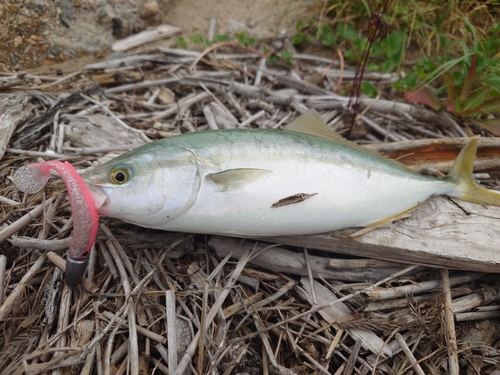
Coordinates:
304 179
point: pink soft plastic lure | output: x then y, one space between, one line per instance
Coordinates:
33 177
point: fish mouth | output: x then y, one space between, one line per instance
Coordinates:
99 196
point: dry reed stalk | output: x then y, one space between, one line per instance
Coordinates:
409 354
3 266
264 309
12 300
449 324
213 311
24 221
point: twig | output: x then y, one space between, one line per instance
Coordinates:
251 119
132 328
34 243
213 312
172 331
449 324
12 300
409 355
349 368
311 278
8 201
63 321
3 266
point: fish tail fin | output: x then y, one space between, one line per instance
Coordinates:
461 175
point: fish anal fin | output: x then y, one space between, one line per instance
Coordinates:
311 124
380 223
232 179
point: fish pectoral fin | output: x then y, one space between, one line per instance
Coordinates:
385 221
232 179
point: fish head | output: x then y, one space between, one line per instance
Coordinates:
144 188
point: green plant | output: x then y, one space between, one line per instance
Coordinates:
180 42
244 39
471 82
386 56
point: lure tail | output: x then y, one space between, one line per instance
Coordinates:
461 174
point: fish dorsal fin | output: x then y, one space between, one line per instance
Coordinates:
311 124
233 179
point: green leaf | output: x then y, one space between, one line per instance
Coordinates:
472 29
197 38
387 66
351 55
476 99
373 67
401 9
180 42
449 82
494 83
468 79
287 56
244 39
376 50
423 95
299 38
368 89
394 44
443 68
407 82
272 59
347 32
222 38
490 106
326 36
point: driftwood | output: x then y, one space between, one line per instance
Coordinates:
146 36
14 110
278 259
428 155
440 233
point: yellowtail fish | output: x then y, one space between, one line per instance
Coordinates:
301 180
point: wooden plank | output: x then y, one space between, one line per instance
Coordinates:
14 110
423 155
441 233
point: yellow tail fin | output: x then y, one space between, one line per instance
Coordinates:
461 175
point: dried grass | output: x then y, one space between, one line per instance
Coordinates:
160 302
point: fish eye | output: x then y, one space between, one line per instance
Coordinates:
119 175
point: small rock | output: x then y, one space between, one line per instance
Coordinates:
18 40
149 9
166 96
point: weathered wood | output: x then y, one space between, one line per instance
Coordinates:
440 233
146 36
280 260
14 110
439 154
